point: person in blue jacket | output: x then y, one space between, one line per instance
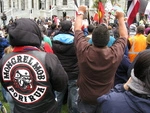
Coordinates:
134 95
63 47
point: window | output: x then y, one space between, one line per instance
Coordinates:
10 3
64 2
87 2
32 3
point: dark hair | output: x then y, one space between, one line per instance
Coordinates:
100 36
53 26
146 25
142 67
43 29
140 29
116 33
90 28
65 25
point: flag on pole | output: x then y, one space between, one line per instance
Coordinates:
143 5
133 8
75 2
147 10
89 19
95 18
76 7
101 11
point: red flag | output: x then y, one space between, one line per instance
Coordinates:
95 18
101 11
132 10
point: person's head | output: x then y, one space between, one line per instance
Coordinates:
43 29
116 33
90 28
142 67
24 32
148 39
66 26
146 25
100 36
132 29
53 26
140 30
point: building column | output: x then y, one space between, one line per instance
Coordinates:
19 4
37 4
11 8
78 2
1 7
51 2
26 4
90 3
29 4
47 4
42 4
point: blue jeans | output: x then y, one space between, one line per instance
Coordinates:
4 22
88 108
9 99
72 97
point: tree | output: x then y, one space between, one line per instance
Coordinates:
95 2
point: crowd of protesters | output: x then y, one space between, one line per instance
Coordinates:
94 68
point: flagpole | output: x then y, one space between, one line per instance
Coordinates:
89 16
76 7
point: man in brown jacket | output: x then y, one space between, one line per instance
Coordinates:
97 62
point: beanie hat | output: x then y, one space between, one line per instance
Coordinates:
132 29
24 32
100 36
66 25
148 39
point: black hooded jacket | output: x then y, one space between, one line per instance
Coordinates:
30 75
63 47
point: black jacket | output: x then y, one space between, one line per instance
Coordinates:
31 78
65 52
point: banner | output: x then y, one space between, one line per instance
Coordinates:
133 8
101 11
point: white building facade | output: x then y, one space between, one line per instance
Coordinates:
45 8
42 7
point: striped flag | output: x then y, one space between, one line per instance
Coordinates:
133 8
147 10
143 4
101 11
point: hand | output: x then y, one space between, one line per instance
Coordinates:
119 14
126 87
82 8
